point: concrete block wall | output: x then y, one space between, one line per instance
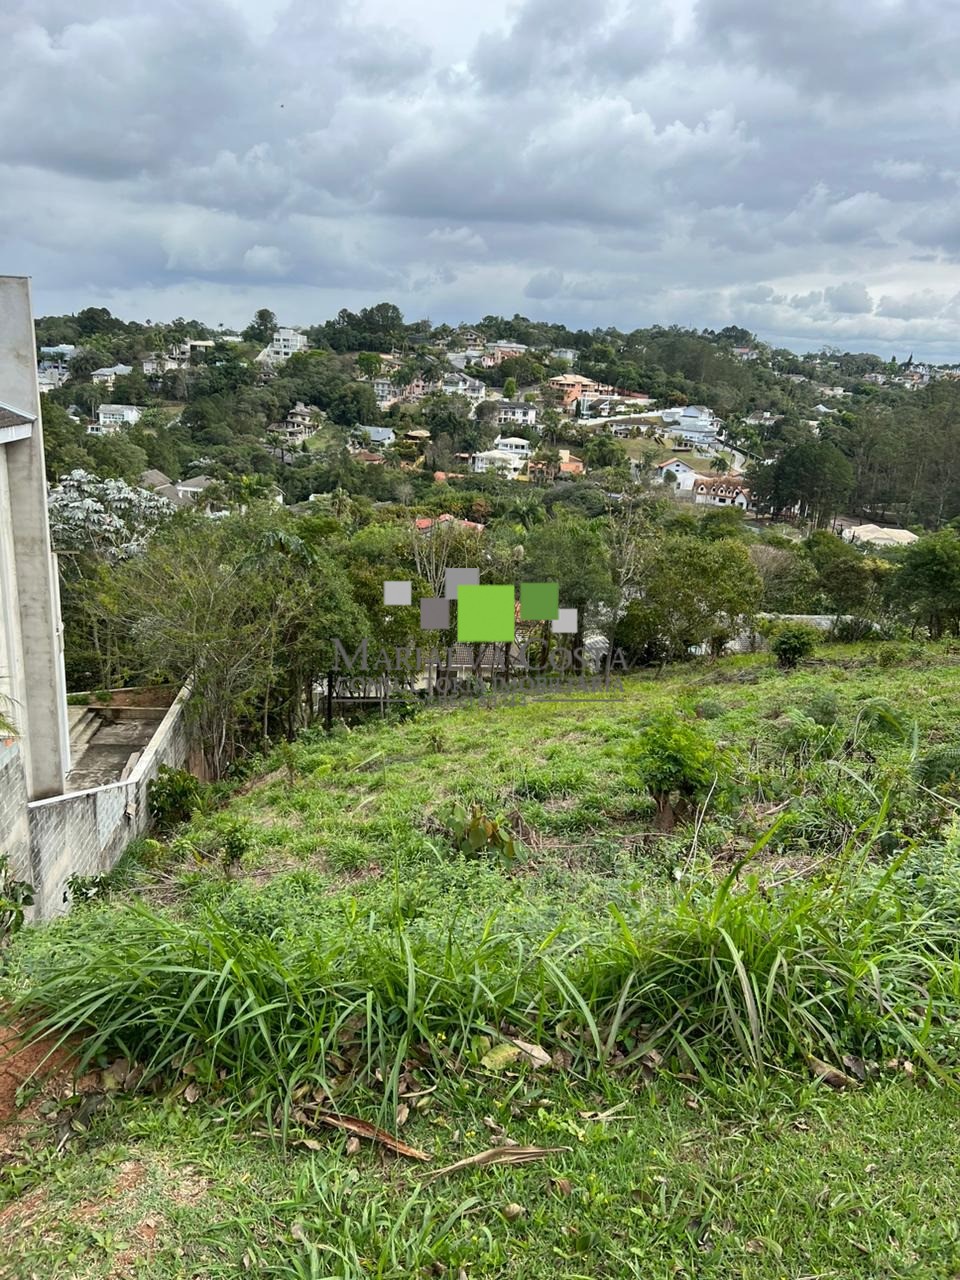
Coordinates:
14 824
85 832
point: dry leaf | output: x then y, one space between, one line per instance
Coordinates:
562 1186
494 1128
856 1066
692 1102
311 1144
754 1246
513 1211
362 1129
830 1075
353 1146
403 1114
538 1057
602 1117
297 1233
499 1155
192 1092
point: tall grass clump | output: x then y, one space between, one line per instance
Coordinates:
737 974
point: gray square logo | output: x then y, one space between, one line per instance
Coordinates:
565 623
454 578
397 593
434 614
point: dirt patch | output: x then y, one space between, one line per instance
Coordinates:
20 1061
26 1210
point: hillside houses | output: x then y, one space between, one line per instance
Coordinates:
302 422
694 422
284 344
677 473
723 491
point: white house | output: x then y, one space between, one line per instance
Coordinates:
516 413
693 422
62 351
723 491
684 476
118 415
461 384
514 445
107 376
499 460
284 344
385 390
567 354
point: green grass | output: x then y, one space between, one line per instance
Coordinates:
683 979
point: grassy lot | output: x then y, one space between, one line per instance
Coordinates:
321 949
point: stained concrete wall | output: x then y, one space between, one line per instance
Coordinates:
85 832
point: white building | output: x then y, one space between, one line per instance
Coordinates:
62 351
461 384
693 422
107 376
684 476
159 363
515 445
300 423
284 344
567 354
118 415
516 413
502 461
385 390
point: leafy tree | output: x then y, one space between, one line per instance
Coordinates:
510 388
677 762
261 328
571 552
927 583
792 642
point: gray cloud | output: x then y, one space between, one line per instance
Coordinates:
629 162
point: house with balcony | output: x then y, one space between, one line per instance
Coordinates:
515 445
503 461
694 422
284 344
516 413
112 417
301 422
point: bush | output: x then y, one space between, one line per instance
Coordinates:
172 796
891 655
676 762
793 642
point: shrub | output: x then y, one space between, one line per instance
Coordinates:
891 655
172 796
676 762
475 833
15 897
793 642
710 709
824 707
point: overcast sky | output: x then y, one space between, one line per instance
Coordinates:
789 166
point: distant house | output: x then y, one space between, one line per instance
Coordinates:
62 351
684 476
159 363
426 524
299 424
516 445
516 413
51 379
724 491
875 379
504 350
746 353
461 384
502 461
569 465
191 346
572 387
693 422
567 354
284 344
107 376
385 390
111 417
381 436
368 458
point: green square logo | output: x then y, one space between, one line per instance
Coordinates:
484 613
539 601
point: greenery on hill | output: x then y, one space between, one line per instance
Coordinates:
885 452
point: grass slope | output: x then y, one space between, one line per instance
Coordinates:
355 958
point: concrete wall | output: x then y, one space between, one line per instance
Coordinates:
14 826
85 832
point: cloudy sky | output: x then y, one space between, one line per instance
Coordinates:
791 167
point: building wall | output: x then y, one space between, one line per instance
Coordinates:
85 832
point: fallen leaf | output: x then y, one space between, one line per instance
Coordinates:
856 1066
562 1186
513 1211
754 1246
362 1129
494 1128
499 1155
192 1092
297 1233
537 1056
692 1102
830 1075
500 1056
311 1144
403 1114
353 1146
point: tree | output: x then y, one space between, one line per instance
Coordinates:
510 388
369 363
694 594
927 583
261 328
571 552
